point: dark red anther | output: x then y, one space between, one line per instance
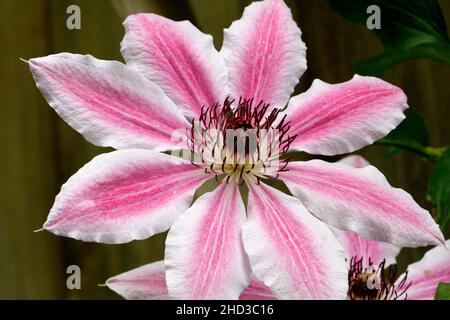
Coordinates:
383 281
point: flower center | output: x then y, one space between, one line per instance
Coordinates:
375 282
242 143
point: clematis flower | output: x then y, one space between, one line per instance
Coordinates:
175 81
372 277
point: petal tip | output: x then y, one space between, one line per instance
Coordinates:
441 241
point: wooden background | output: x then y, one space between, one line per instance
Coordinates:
39 151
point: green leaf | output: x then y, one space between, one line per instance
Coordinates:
412 130
443 292
411 134
439 188
375 66
409 30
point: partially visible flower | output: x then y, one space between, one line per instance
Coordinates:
371 277
175 80
372 265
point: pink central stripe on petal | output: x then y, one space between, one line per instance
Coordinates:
261 58
215 233
295 245
435 276
148 281
424 286
139 119
338 108
115 199
169 53
370 198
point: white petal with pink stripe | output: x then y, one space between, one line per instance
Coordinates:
361 200
340 118
355 161
257 290
264 53
357 246
205 258
110 104
426 274
290 251
124 195
147 282
177 57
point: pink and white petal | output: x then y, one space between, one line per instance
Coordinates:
257 290
291 251
264 53
332 119
147 282
357 246
355 161
124 195
177 57
204 257
426 274
110 104
361 200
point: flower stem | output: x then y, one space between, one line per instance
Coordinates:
431 153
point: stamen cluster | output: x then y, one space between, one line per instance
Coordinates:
241 144
375 282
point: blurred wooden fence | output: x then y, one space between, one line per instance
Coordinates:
39 151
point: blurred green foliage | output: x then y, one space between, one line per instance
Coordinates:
409 29
439 189
443 292
411 134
